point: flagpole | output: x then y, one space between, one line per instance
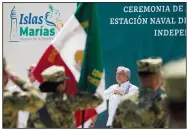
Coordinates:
83 116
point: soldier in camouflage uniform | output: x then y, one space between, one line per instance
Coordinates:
59 107
175 76
144 108
26 98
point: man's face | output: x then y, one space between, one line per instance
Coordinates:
121 76
30 75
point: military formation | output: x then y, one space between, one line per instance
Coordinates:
58 105
151 106
144 108
53 111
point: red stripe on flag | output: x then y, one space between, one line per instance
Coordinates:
52 57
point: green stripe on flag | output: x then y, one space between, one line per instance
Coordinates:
92 67
82 14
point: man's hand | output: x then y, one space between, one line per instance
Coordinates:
117 91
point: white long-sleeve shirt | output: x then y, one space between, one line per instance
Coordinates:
114 99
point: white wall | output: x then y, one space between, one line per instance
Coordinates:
20 55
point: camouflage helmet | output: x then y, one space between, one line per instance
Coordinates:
175 76
54 74
149 65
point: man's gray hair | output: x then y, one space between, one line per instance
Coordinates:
125 70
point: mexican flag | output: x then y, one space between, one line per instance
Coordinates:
77 47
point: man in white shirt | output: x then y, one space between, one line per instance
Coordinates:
116 91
